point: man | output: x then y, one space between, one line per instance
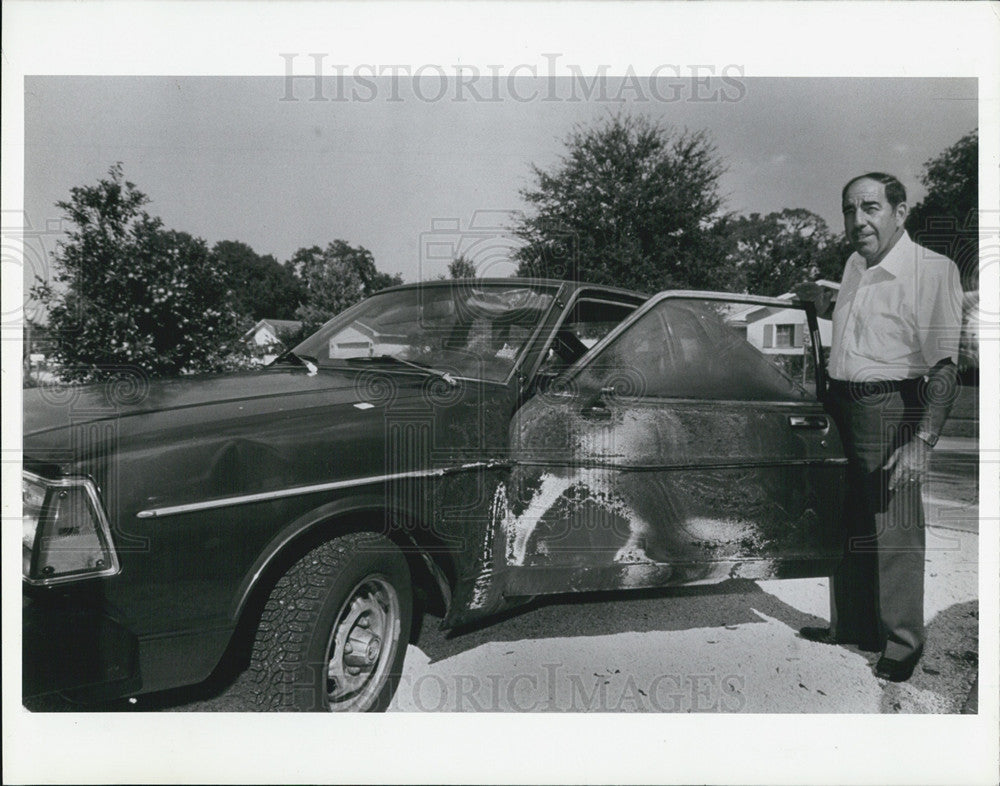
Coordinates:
893 378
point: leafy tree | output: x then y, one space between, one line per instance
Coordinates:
262 287
947 219
461 267
629 203
381 281
335 278
774 252
127 292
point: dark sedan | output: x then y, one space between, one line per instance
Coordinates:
469 444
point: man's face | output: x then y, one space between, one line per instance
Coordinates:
870 222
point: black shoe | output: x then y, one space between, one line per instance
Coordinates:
895 670
824 636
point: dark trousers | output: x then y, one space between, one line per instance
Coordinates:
877 593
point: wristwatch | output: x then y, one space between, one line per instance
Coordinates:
926 436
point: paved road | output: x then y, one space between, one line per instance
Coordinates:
952 496
732 647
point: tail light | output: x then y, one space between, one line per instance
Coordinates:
66 535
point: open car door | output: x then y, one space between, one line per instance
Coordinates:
689 445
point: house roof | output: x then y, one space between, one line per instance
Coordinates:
284 324
276 326
759 312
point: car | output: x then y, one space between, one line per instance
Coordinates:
455 447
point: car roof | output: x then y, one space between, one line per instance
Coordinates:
517 281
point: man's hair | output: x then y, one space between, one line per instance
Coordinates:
895 191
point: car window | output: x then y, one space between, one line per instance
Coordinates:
706 349
471 330
588 321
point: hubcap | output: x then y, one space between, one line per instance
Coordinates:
362 645
362 648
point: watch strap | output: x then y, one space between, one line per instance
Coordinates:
928 437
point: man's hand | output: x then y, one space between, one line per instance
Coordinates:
821 297
909 463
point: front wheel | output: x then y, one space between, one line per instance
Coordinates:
334 630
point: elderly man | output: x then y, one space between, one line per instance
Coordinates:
893 378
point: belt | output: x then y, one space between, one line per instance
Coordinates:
874 387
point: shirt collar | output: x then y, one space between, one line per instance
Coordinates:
895 262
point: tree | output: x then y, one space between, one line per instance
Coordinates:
947 219
262 287
461 267
335 278
129 293
630 203
774 252
381 281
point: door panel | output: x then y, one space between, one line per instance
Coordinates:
678 452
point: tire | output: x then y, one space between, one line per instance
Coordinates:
334 631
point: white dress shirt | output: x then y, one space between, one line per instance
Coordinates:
898 318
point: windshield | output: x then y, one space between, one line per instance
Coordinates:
466 329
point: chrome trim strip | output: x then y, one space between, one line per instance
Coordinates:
266 496
808 406
611 466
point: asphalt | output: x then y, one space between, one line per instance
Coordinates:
954 490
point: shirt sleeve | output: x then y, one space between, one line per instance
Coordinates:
940 313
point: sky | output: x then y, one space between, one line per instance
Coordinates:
416 170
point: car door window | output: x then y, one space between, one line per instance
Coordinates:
708 349
588 321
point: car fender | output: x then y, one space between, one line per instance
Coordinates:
365 504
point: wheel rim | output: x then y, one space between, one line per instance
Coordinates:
362 645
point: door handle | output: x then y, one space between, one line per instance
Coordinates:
808 421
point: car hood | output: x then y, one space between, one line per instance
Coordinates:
53 408
182 441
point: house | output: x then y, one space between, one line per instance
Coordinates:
361 339
39 343
38 351
266 337
783 331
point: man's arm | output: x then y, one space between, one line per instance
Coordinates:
910 462
940 393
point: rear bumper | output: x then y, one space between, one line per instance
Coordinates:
72 646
